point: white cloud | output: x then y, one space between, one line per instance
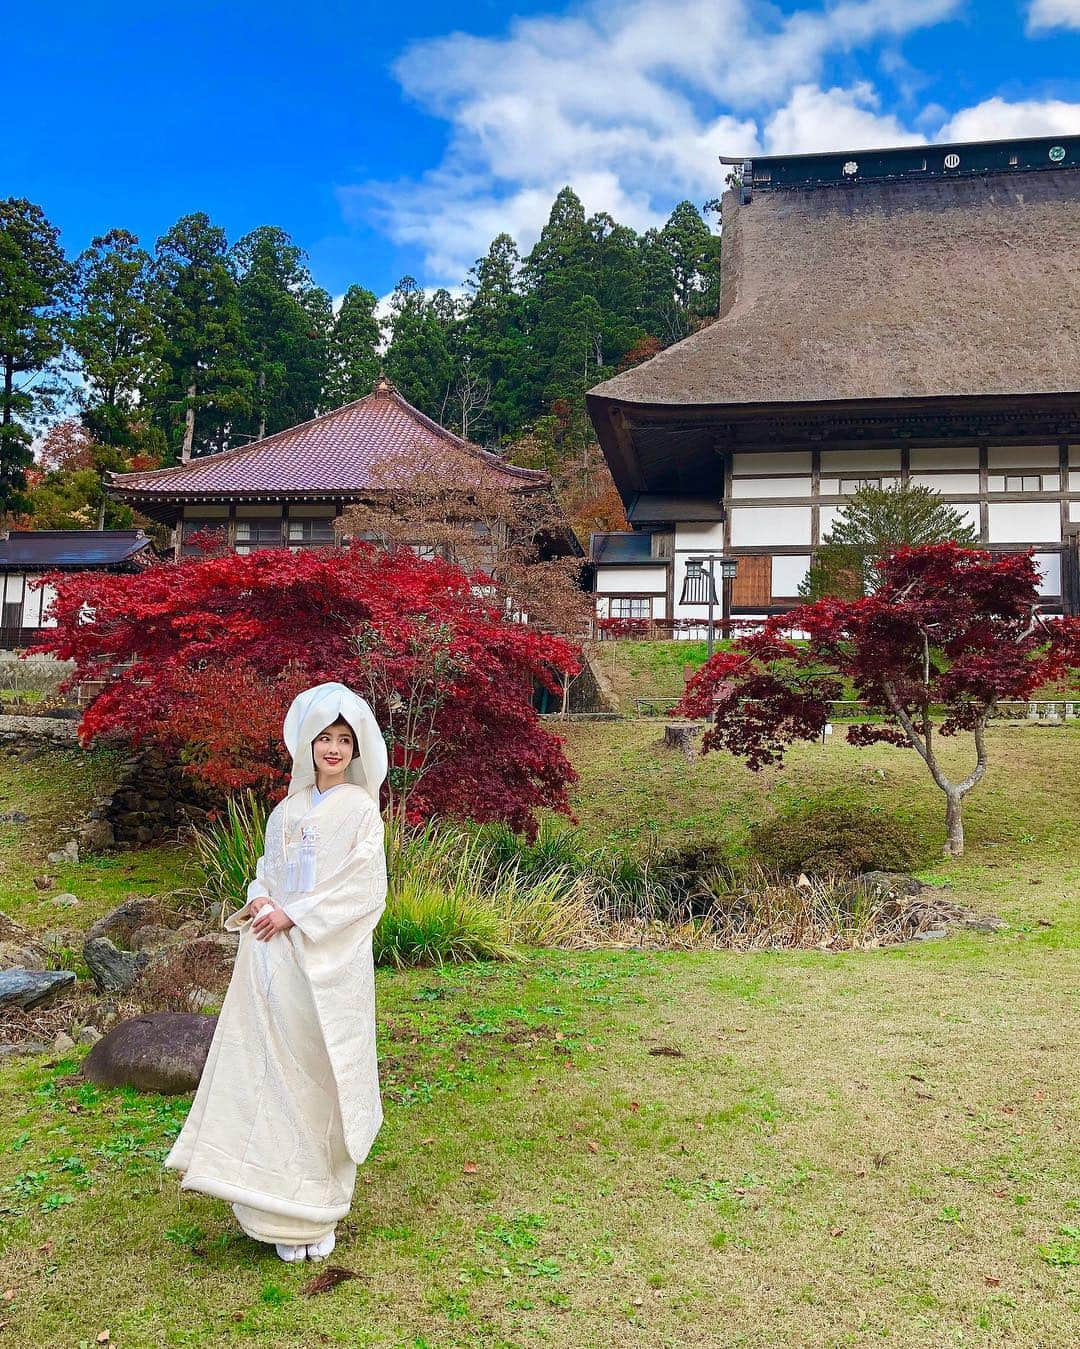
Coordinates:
631 103
994 119
833 119
1046 14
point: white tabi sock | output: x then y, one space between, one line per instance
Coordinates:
319 1250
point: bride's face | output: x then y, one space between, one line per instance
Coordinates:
333 751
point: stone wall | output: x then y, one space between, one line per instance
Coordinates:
153 799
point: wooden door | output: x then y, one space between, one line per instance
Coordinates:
752 586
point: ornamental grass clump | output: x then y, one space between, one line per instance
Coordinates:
229 847
453 896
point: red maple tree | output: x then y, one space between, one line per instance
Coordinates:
946 635
204 656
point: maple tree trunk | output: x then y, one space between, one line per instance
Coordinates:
954 823
189 425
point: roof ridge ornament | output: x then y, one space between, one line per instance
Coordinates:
384 386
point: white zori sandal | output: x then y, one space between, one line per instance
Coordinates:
319 1250
290 1254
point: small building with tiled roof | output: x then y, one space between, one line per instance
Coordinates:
26 555
906 315
287 489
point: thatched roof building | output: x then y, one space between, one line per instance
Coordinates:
879 310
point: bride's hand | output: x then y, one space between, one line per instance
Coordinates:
269 921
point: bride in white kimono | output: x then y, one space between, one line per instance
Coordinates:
288 1103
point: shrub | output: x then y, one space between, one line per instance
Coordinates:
831 838
229 848
180 980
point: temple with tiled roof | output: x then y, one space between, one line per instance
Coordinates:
287 489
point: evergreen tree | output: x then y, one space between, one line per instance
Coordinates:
557 275
207 387
118 339
616 286
418 356
354 349
494 337
35 281
681 275
286 330
872 524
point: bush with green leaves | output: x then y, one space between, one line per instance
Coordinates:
825 838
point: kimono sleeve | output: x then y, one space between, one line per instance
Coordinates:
355 896
257 889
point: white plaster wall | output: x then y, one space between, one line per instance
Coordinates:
21 591
969 513
706 538
1025 522
772 461
44 597
848 462
943 457
960 483
628 580
1022 456
788 573
1074 481
826 516
771 487
1074 510
760 526
1049 565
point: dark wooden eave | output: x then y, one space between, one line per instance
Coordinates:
664 447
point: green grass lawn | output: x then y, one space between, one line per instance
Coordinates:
874 1147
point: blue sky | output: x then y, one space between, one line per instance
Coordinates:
400 138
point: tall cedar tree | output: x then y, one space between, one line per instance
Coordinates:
118 338
418 355
946 629
874 522
35 283
494 337
354 349
206 654
208 384
286 321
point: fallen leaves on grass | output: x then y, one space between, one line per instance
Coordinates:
666 1051
470 1168
327 1280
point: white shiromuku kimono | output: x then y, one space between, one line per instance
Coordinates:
288 1103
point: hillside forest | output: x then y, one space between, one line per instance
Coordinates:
128 357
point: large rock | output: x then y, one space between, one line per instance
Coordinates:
120 924
111 967
19 948
29 988
95 835
153 936
164 1052
889 884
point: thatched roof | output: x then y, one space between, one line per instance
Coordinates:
884 290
